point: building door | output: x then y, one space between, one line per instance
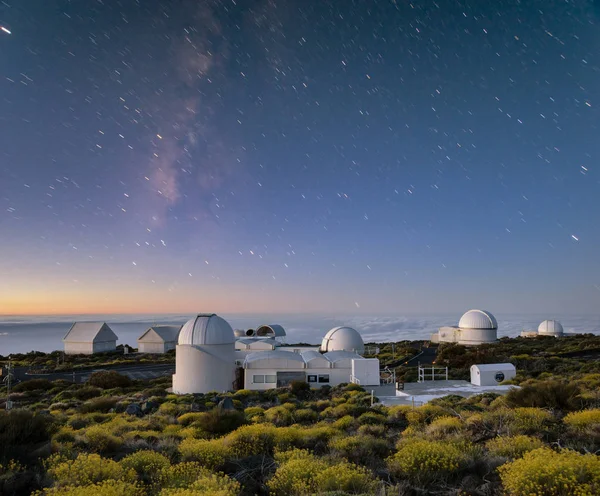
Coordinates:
284 378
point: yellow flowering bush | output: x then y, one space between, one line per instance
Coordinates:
189 418
359 448
190 476
208 453
279 416
296 474
512 446
442 427
254 413
146 463
529 419
251 440
346 423
87 469
99 440
581 421
305 415
345 477
421 458
104 488
547 472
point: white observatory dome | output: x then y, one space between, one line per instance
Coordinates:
478 319
343 338
206 329
550 328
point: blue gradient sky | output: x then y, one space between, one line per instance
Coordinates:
283 156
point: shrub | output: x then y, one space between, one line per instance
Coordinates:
372 430
109 379
512 446
146 463
346 478
87 469
220 422
278 416
556 394
530 420
99 440
371 418
442 427
346 423
20 431
360 449
300 389
305 416
296 474
105 488
254 413
543 471
86 392
250 440
421 459
190 418
33 385
190 478
581 421
211 454
102 404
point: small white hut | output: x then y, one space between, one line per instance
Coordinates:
89 337
492 374
158 339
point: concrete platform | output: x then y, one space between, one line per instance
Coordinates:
419 393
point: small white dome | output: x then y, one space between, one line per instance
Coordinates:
343 339
478 319
206 329
550 328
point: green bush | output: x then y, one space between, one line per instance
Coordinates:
20 432
109 379
147 464
105 488
560 395
99 440
543 471
208 453
512 446
102 404
360 449
419 459
581 421
87 469
33 385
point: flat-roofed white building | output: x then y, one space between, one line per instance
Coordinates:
89 337
270 369
158 339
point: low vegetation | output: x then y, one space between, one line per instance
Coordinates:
113 436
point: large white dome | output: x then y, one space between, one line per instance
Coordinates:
478 319
550 328
343 339
206 329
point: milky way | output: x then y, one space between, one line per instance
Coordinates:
281 155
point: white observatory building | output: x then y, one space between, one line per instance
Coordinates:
474 328
204 356
551 328
343 339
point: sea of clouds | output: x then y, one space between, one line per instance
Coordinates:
44 333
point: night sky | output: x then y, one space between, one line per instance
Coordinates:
299 156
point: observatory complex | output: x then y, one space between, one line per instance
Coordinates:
211 356
474 328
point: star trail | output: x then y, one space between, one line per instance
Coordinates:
299 156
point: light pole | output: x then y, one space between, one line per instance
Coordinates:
8 380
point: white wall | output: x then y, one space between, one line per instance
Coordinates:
336 376
72 348
203 369
477 336
366 371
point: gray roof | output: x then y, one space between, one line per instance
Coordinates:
167 333
337 355
274 330
493 366
87 332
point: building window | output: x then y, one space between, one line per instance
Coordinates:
270 379
324 378
258 379
312 378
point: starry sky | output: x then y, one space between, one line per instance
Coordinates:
299 156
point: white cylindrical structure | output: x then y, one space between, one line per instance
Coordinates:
204 356
551 328
343 339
